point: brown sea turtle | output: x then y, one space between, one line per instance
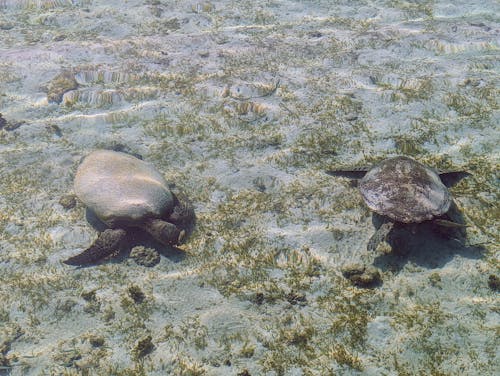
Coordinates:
123 192
404 191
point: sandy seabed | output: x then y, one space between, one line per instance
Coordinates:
244 106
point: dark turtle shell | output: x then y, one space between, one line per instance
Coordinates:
405 190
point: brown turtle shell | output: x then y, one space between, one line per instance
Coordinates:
405 190
121 189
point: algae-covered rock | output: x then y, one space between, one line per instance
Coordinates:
67 201
145 256
494 282
59 85
3 122
9 125
136 294
361 275
143 347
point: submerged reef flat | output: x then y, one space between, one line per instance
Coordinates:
245 106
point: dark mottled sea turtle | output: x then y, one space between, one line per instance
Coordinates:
404 191
124 191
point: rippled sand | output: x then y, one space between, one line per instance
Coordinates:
244 106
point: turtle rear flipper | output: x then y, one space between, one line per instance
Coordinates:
107 243
379 235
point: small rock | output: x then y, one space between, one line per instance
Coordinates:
4 362
67 358
136 294
435 280
352 269
89 296
14 125
145 256
143 347
53 128
482 25
315 34
96 341
296 298
494 282
258 298
59 37
59 85
66 306
9 125
6 26
361 275
3 122
68 201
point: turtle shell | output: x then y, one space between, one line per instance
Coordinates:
405 190
121 189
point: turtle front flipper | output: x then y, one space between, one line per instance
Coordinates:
450 178
108 242
379 235
163 231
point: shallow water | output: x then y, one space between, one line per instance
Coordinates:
245 106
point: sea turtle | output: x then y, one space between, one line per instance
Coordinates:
404 191
124 191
